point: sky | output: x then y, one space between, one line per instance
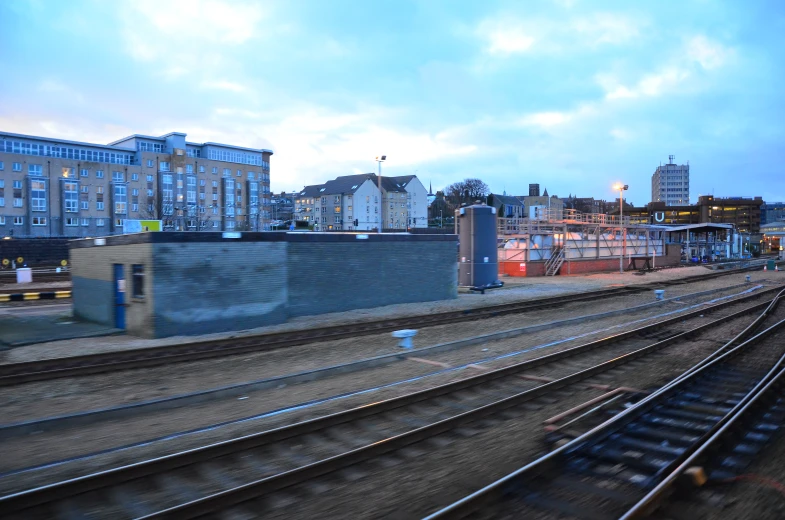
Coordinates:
574 95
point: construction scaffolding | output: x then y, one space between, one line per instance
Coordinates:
574 236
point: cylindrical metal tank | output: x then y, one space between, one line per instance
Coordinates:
478 250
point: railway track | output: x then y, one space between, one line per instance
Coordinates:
17 373
210 479
722 409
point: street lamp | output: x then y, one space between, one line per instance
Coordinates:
621 188
380 160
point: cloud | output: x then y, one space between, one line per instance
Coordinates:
651 85
313 143
545 119
208 21
224 85
506 35
678 75
709 54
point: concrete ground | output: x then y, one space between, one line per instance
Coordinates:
28 324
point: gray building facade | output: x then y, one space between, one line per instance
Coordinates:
670 184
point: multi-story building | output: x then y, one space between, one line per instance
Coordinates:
772 212
354 202
55 187
743 212
671 184
534 190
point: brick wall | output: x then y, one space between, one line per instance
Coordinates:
204 287
333 277
35 251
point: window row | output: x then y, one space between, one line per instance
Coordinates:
238 157
65 152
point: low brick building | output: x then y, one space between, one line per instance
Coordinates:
164 284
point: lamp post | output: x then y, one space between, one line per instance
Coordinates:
380 160
621 188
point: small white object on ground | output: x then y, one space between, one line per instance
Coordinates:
405 336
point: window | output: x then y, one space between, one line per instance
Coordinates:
17 167
215 184
149 163
70 196
189 168
117 176
167 192
38 195
201 169
215 169
71 221
84 173
99 174
2 221
2 165
119 222
239 173
229 197
120 200
163 166
68 173
202 182
18 221
227 172
230 224
38 221
99 222
85 204
35 170
137 274
134 176
85 222
149 178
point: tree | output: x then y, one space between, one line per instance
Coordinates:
468 191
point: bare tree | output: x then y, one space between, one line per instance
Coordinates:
467 190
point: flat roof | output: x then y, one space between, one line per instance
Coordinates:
704 225
65 141
163 138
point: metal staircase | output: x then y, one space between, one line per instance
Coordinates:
554 263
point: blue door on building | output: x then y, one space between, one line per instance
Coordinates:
119 296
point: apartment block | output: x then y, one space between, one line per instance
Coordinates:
60 188
670 184
354 202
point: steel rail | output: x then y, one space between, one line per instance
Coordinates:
554 459
57 491
53 368
93 416
709 441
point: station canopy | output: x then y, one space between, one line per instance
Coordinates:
697 228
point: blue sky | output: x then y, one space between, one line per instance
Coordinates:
572 94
